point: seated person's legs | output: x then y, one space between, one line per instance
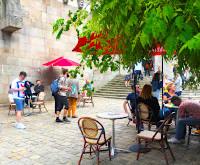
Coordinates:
181 126
167 112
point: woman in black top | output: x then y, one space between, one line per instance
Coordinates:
146 97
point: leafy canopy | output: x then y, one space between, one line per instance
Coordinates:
138 25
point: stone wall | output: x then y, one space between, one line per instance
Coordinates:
28 48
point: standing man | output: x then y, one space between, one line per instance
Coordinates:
38 88
178 83
18 89
62 97
73 96
138 70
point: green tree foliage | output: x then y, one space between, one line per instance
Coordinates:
138 25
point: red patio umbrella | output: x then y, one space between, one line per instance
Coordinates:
61 62
109 49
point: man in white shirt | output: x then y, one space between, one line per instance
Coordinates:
138 69
178 83
18 89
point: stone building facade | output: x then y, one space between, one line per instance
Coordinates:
26 49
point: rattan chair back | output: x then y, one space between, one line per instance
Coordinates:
143 111
89 128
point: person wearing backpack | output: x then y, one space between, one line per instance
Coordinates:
156 85
62 88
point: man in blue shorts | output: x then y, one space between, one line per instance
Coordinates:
18 89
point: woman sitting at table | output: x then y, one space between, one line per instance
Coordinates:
167 100
147 98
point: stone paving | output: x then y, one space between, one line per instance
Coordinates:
45 142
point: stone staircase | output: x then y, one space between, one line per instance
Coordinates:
116 89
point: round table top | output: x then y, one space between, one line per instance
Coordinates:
170 106
112 115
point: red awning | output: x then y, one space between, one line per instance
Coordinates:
61 62
109 49
159 51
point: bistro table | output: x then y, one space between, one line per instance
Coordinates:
172 106
113 116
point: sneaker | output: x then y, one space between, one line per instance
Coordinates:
20 126
58 120
66 120
130 118
176 141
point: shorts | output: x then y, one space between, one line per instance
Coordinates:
62 102
19 104
127 77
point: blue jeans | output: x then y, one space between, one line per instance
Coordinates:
166 112
157 94
181 126
19 104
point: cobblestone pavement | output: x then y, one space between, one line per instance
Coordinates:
45 142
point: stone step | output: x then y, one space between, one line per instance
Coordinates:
4 105
116 89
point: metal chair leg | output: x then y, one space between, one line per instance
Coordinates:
189 133
170 150
163 151
138 153
82 154
109 149
97 152
45 108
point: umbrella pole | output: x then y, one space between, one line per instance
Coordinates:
135 147
162 82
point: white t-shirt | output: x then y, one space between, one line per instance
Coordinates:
138 66
17 84
178 84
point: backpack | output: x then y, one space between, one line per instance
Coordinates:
54 86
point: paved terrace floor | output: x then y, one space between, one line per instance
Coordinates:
45 142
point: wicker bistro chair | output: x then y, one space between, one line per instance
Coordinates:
86 99
146 115
190 127
159 136
12 105
94 137
39 102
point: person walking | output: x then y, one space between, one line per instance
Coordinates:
138 70
18 89
61 97
127 78
73 96
178 83
156 85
